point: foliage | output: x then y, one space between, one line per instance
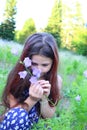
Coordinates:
74 84
28 29
7 60
7 30
7 27
54 23
79 42
72 21
71 114
80 106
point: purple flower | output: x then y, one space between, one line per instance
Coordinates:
27 62
33 79
36 72
22 74
85 73
78 98
14 51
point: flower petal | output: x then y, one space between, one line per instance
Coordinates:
27 62
78 98
14 51
33 79
36 72
22 74
85 73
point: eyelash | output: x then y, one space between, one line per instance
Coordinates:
34 64
44 64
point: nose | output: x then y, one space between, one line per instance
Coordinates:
39 67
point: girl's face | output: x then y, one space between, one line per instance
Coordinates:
42 63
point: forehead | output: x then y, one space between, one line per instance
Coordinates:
41 59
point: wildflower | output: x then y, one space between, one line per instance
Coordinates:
78 98
22 74
33 79
27 62
14 51
85 73
35 72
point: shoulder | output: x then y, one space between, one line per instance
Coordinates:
59 78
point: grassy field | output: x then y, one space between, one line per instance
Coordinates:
71 113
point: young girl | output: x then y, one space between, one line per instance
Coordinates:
27 101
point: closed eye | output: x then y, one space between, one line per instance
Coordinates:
34 64
45 64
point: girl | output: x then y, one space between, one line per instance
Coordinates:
25 101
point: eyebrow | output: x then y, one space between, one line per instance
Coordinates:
41 64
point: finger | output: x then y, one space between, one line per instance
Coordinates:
36 90
43 82
46 86
46 92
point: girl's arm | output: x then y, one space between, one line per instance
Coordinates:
12 100
35 94
46 110
27 104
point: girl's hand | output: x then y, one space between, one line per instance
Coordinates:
36 91
46 87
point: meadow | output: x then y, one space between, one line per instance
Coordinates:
71 112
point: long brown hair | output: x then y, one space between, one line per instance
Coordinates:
38 43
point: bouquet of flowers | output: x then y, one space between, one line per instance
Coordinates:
35 75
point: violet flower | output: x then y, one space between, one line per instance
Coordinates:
27 62
35 72
14 51
33 79
22 74
78 98
85 73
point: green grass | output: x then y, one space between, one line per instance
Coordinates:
70 113
7 61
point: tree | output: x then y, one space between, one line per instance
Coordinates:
54 22
71 23
28 29
7 27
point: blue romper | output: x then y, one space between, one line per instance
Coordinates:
19 119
